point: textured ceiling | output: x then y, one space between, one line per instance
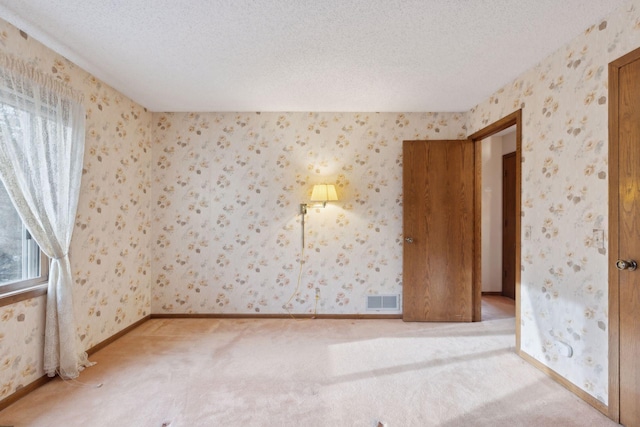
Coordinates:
306 55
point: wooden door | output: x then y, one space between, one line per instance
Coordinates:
509 225
438 203
625 175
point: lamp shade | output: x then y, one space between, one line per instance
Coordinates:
324 193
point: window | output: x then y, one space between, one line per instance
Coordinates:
42 131
22 264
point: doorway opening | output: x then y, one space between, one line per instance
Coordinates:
498 213
485 249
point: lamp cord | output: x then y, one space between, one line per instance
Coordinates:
286 306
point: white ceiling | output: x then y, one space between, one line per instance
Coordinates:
306 55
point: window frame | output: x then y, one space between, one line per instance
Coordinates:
20 290
23 289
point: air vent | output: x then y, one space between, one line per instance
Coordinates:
383 302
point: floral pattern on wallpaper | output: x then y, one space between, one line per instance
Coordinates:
110 246
227 233
564 101
217 196
21 326
113 223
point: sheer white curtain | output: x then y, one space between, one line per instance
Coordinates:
41 152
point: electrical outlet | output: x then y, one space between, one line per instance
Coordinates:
598 238
317 293
527 232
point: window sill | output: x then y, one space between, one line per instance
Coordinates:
12 297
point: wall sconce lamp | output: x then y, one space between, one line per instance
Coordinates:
321 194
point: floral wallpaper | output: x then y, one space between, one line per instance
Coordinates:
199 212
565 196
227 233
21 328
110 247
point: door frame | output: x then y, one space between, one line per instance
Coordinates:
614 231
512 119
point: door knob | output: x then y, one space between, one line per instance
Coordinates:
409 239
630 265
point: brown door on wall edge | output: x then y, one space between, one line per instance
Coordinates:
624 279
438 221
509 225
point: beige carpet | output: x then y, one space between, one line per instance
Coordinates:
205 372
